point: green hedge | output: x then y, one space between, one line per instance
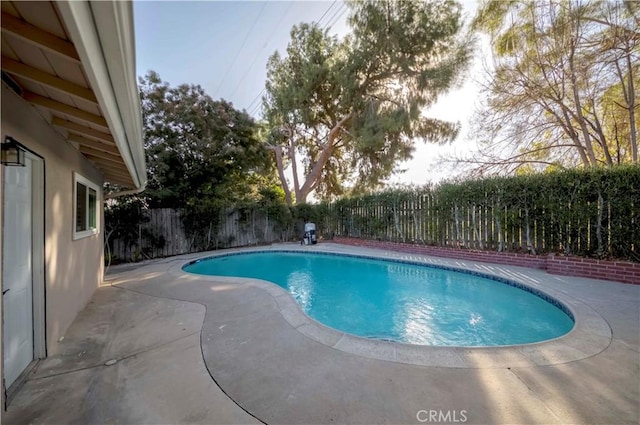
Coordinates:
591 213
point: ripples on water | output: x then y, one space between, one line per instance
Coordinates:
400 302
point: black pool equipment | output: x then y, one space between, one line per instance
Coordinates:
309 237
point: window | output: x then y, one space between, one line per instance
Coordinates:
85 206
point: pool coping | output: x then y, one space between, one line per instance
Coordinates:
590 335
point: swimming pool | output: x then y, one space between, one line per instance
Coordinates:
408 303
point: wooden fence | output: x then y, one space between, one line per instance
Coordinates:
594 227
162 233
588 213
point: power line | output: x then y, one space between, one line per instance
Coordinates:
246 37
335 17
255 58
326 11
335 12
344 9
257 105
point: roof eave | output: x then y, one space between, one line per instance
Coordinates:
103 35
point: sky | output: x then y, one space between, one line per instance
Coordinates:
224 47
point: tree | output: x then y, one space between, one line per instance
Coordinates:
350 110
563 89
203 157
199 151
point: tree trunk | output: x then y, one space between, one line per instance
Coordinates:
632 113
566 124
313 177
283 180
578 111
602 138
294 167
576 141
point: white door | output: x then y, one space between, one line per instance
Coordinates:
17 270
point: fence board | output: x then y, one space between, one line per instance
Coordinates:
163 234
560 219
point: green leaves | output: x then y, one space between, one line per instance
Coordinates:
197 148
560 67
593 212
354 106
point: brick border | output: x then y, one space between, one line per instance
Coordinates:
617 271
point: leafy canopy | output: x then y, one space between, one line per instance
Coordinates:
349 110
564 89
198 149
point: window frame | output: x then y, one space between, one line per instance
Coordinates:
90 231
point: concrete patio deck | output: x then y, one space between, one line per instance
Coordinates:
197 349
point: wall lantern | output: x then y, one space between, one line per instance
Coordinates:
12 152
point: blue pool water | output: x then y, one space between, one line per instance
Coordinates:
400 302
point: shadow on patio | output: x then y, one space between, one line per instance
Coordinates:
196 350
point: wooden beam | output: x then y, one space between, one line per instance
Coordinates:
83 130
117 174
34 35
54 105
103 155
33 74
116 178
107 165
120 176
93 144
113 178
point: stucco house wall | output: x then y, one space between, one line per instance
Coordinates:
73 268
69 96
1 314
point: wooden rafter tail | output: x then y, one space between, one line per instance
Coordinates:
83 130
37 76
34 35
113 172
108 165
112 178
33 74
93 144
102 155
56 106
